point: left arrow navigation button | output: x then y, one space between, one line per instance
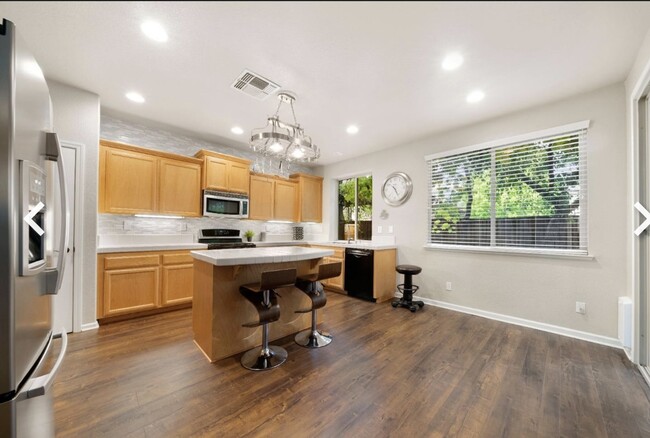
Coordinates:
30 218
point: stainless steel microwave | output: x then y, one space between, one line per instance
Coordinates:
224 204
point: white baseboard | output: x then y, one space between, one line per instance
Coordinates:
644 372
628 353
89 326
571 333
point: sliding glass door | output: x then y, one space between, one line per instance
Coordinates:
355 208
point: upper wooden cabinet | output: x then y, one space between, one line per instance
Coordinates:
224 172
310 197
179 187
137 180
273 197
130 181
285 200
261 197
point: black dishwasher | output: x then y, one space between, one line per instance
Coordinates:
359 265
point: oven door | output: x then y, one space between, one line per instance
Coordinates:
219 206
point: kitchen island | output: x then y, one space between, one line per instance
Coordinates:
219 310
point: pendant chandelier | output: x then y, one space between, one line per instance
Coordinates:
286 142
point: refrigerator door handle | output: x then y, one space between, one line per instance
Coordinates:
40 385
54 277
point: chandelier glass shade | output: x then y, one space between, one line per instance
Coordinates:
284 141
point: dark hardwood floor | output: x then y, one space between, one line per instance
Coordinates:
388 372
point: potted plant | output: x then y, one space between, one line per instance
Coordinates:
249 235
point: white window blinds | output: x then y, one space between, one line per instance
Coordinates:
523 194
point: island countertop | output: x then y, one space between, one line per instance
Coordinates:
256 256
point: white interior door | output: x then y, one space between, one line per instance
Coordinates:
64 301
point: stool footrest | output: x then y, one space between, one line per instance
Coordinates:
402 288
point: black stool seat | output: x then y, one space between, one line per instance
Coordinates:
408 269
408 288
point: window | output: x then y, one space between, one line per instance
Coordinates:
525 194
355 208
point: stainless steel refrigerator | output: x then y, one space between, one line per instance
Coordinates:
30 269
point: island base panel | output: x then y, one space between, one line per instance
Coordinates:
219 310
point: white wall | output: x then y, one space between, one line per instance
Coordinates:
76 119
534 288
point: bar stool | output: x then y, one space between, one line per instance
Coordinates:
408 288
263 296
311 285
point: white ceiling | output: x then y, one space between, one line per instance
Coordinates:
373 64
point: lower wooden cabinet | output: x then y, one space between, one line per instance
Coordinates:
132 283
335 283
130 290
177 284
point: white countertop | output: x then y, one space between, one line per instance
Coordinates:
151 247
357 245
256 256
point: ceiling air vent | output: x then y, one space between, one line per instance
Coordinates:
254 85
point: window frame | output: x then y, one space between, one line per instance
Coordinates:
494 146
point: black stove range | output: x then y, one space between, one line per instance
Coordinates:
222 238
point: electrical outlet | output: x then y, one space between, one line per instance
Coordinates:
581 307
449 285
379 229
390 228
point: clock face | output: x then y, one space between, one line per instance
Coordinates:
397 188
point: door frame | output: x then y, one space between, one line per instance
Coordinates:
77 244
639 149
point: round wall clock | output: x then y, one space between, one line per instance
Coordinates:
397 188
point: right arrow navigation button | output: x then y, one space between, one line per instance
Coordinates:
645 214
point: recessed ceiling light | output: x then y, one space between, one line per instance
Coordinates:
135 97
475 96
452 61
338 153
352 129
236 130
154 31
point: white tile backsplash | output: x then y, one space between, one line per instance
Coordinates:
113 224
143 239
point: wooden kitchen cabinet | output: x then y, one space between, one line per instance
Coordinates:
138 180
310 197
224 172
128 181
285 200
179 188
273 198
336 283
261 197
177 278
132 284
